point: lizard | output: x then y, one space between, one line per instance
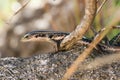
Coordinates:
54 38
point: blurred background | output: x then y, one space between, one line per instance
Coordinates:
18 17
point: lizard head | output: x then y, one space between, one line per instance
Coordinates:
34 36
50 38
43 35
42 40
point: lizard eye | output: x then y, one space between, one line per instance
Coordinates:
26 36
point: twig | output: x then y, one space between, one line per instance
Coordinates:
116 27
98 10
100 7
8 22
85 54
78 33
22 7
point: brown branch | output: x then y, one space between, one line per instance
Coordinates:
22 7
116 27
18 11
86 52
100 7
76 35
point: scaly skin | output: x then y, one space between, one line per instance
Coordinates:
55 38
48 36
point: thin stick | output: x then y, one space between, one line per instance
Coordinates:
77 34
85 54
98 10
8 22
100 7
116 27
